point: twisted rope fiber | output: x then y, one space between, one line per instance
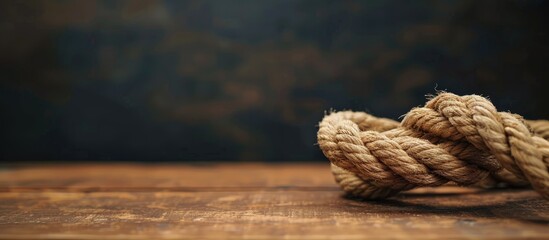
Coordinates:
461 139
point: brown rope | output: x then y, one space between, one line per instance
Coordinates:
462 139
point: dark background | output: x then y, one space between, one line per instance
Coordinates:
246 79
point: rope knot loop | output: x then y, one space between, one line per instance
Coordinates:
460 139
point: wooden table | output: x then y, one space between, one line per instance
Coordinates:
253 201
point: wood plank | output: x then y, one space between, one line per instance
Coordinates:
142 177
295 201
508 214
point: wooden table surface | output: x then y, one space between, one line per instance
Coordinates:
252 201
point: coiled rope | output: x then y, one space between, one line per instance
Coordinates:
461 139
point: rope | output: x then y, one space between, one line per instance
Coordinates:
461 139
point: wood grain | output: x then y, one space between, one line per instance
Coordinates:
144 176
248 201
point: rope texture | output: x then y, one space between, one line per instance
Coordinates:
460 139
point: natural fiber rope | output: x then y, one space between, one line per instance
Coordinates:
462 139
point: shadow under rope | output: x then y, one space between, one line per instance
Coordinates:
522 205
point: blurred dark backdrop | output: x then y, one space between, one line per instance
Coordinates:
247 79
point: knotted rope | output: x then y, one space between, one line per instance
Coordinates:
462 139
